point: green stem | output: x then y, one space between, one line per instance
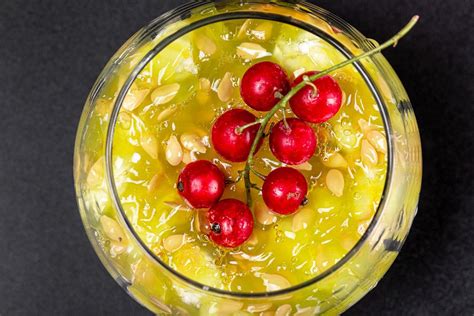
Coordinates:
239 130
258 174
285 122
282 103
239 177
256 187
312 85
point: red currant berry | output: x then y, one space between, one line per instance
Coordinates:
294 143
317 106
231 223
228 141
201 184
284 190
261 85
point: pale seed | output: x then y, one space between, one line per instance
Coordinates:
263 214
351 44
323 25
308 311
368 154
112 229
166 113
303 219
251 51
154 182
364 126
174 242
258 308
192 142
306 166
204 84
206 45
335 182
152 303
174 152
134 98
181 311
150 145
377 140
165 94
144 273
188 157
335 161
96 174
263 31
275 282
117 247
124 120
385 88
283 310
243 29
226 307
224 90
162 306
298 72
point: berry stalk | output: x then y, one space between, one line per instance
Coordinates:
284 101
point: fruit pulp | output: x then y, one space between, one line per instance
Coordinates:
165 122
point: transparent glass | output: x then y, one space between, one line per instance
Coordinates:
165 291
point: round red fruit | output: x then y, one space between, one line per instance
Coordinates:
284 190
231 223
293 143
201 184
317 106
262 84
230 142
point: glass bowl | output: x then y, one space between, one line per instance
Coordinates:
164 291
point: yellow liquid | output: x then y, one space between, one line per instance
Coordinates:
182 91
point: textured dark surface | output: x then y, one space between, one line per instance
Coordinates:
52 51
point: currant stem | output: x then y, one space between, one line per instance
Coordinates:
282 103
237 179
256 187
283 113
258 174
240 129
312 85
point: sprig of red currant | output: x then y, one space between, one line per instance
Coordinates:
237 135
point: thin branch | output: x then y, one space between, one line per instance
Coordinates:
285 122
283 102
239 130
312 85
258 174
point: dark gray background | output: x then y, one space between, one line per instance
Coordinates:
52 51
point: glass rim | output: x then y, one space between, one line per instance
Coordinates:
164 21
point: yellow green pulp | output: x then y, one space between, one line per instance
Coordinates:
181 92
